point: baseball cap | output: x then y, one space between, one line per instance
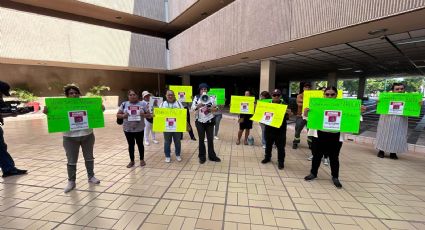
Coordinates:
145 93
276 92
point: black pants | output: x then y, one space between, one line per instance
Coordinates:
329 144
132 138
192 136
208 129
275 136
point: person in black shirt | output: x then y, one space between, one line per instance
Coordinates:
7 164
276 136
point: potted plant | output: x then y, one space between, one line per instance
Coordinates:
97 90
26 97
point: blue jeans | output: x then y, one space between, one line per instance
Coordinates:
217 118
6 162
168 137
263 137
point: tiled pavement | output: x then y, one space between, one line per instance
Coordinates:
238 193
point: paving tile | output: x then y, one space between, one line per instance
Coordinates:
238 193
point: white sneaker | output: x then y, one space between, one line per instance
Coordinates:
326 161
178 158
310 158
167 159
147 143
70 186
94 180
155 141
215 137
264 147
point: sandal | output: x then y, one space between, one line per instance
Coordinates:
238 142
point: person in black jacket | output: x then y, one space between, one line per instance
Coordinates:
276 136
7 164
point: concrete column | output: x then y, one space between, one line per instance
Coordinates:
332 79
267 75
186 79
362 87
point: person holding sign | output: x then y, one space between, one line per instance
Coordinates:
300 122
7 164
276 136
391 135
171 103
264 95
245 122
133 113
73 140
204 108
149 121
329 142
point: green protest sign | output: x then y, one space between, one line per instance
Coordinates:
266 100
339 115
219 94
403 104
271 114
183 92
69 114
169 120
242 104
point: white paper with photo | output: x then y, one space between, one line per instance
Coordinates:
244 107
134 113
78 120
332 120
181 96
396 108
267 118
170 124
155 102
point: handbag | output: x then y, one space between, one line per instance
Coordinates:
120 121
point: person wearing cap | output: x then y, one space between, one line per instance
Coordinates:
148 120
72 141
7 164
300 122
133 113
276 136
204 121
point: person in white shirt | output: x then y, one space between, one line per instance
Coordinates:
172 103
148 121
204 116
72 141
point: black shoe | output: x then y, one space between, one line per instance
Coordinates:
393 156
265 161
193 139
280 165
15 173
336 182
310 177
381 154
201 161
294 146
216 159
